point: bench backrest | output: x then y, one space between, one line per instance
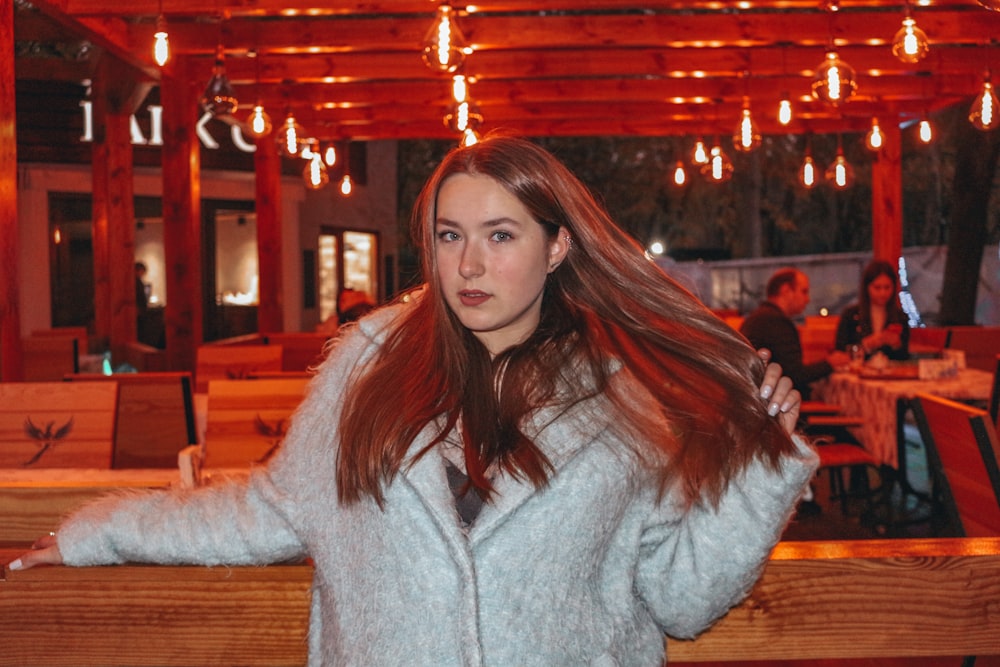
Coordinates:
962 449
981 344
155 417
48 358
247 419
57 424
301 350
232 362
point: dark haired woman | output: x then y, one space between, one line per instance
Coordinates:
876 322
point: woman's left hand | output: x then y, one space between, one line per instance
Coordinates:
784 400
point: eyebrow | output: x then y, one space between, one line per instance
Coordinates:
495 222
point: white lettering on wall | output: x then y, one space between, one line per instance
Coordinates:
156 129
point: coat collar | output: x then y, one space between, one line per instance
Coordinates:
560 433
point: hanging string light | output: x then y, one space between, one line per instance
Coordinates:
330 155
925 131
219 99
785 109
465 114
699 155
747 137
315 173
161 41
469 138
985 108
719 168
875 138
808 175
680 174
835 80
290 137
910 44
840 174
258 122
444 45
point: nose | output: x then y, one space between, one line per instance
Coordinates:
471 264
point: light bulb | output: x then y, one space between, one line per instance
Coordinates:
315 173
785 110
910 43
840 174
161 45
290 137
680 175
700 153
258 122
346 185
444 45
218 98
807 173
875 139
925 131
834 82
330 156
719 167
469 138
986 107
459 88
464 116
746 138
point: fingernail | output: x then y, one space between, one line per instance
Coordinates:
773 409
15 564
786 406
766 391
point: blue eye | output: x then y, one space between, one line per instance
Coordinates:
447 236
502 236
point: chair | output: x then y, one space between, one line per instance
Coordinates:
963 452
232 362
48 358
981 344
247 419
835 457
155 417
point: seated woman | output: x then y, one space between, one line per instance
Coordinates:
877 322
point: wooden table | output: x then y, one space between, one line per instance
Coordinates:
882 405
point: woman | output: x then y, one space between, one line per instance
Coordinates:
877 322
551 455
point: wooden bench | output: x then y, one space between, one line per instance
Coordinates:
155 417
301 351
816 600
57 424
980 344
247 419
231 362
49 358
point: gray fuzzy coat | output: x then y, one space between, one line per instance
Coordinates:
591 570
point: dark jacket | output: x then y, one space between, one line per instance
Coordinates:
769 327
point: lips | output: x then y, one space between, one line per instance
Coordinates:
472 297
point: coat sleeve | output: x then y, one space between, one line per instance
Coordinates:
254 519
695 565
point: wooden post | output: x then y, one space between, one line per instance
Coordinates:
116 94
182 245
11 368
887 196
267 166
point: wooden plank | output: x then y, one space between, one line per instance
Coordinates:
247 419
231 362
155 615
33 502
300 350
57 424
865 598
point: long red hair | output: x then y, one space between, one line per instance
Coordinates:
605 307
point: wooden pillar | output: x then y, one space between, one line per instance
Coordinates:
116 93
887 196
182 245
11 367
267 166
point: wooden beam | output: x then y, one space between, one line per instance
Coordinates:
887 196
267 168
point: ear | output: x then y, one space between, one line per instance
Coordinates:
559 248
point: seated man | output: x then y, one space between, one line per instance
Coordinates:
771 326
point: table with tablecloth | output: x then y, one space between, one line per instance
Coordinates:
882 404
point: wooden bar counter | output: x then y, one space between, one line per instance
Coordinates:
816 600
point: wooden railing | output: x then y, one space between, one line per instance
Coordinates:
815 600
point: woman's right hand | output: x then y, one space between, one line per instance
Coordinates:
45 551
